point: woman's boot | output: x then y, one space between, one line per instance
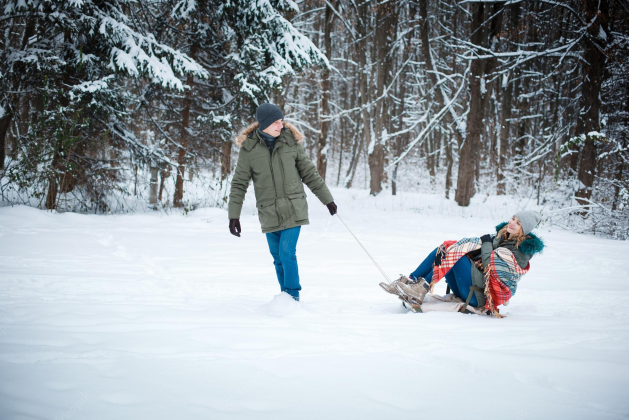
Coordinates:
392 287
415 291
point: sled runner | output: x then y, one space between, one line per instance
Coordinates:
447 303
464 309
410 305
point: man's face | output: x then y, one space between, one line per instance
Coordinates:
274 129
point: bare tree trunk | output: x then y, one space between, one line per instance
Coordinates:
51 195
425 48
401 139
56 181
457 133
364 93
384 26
449 151
135 179
430 163
22 115
400 114
153 185
358 148
430 67
596 12
164 173
621 164
359 139
469 152
619 174
279 97
226 152
185 123
487 141
352 104
506 112
322 156
181 159
494 143
53 181
505 127
5 122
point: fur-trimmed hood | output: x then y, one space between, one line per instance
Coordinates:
244 134
531 245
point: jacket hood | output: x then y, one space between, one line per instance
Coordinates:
244 134
531 245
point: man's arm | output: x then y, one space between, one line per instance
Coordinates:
240 183
310 176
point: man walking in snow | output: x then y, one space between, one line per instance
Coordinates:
272 155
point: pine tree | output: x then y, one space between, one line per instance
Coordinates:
66 62
266 46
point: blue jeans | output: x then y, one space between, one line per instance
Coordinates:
459 278
283 247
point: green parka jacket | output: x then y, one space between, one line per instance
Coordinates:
529 247
278 179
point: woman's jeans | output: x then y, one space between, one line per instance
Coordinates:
459 278
283 247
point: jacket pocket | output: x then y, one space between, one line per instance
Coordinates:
300 206
267 213
292 179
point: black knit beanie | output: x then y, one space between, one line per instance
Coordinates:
267 114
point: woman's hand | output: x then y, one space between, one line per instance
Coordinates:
485 238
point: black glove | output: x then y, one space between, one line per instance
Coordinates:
486 238
332 208
438 257
234 227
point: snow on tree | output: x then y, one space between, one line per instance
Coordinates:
267 46
65 61
95 93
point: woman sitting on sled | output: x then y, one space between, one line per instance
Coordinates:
483 271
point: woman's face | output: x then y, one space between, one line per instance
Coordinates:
514 226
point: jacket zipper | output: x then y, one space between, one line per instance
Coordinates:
284 184
279 216
283 177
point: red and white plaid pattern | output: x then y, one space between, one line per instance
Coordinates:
453 252
498 274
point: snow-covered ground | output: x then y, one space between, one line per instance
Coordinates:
153 316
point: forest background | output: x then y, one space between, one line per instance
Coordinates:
112 106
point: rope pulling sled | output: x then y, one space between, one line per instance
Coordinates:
408 301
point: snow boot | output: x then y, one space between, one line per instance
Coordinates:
392 287
414 292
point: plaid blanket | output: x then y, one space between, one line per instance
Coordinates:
450 252
501 275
